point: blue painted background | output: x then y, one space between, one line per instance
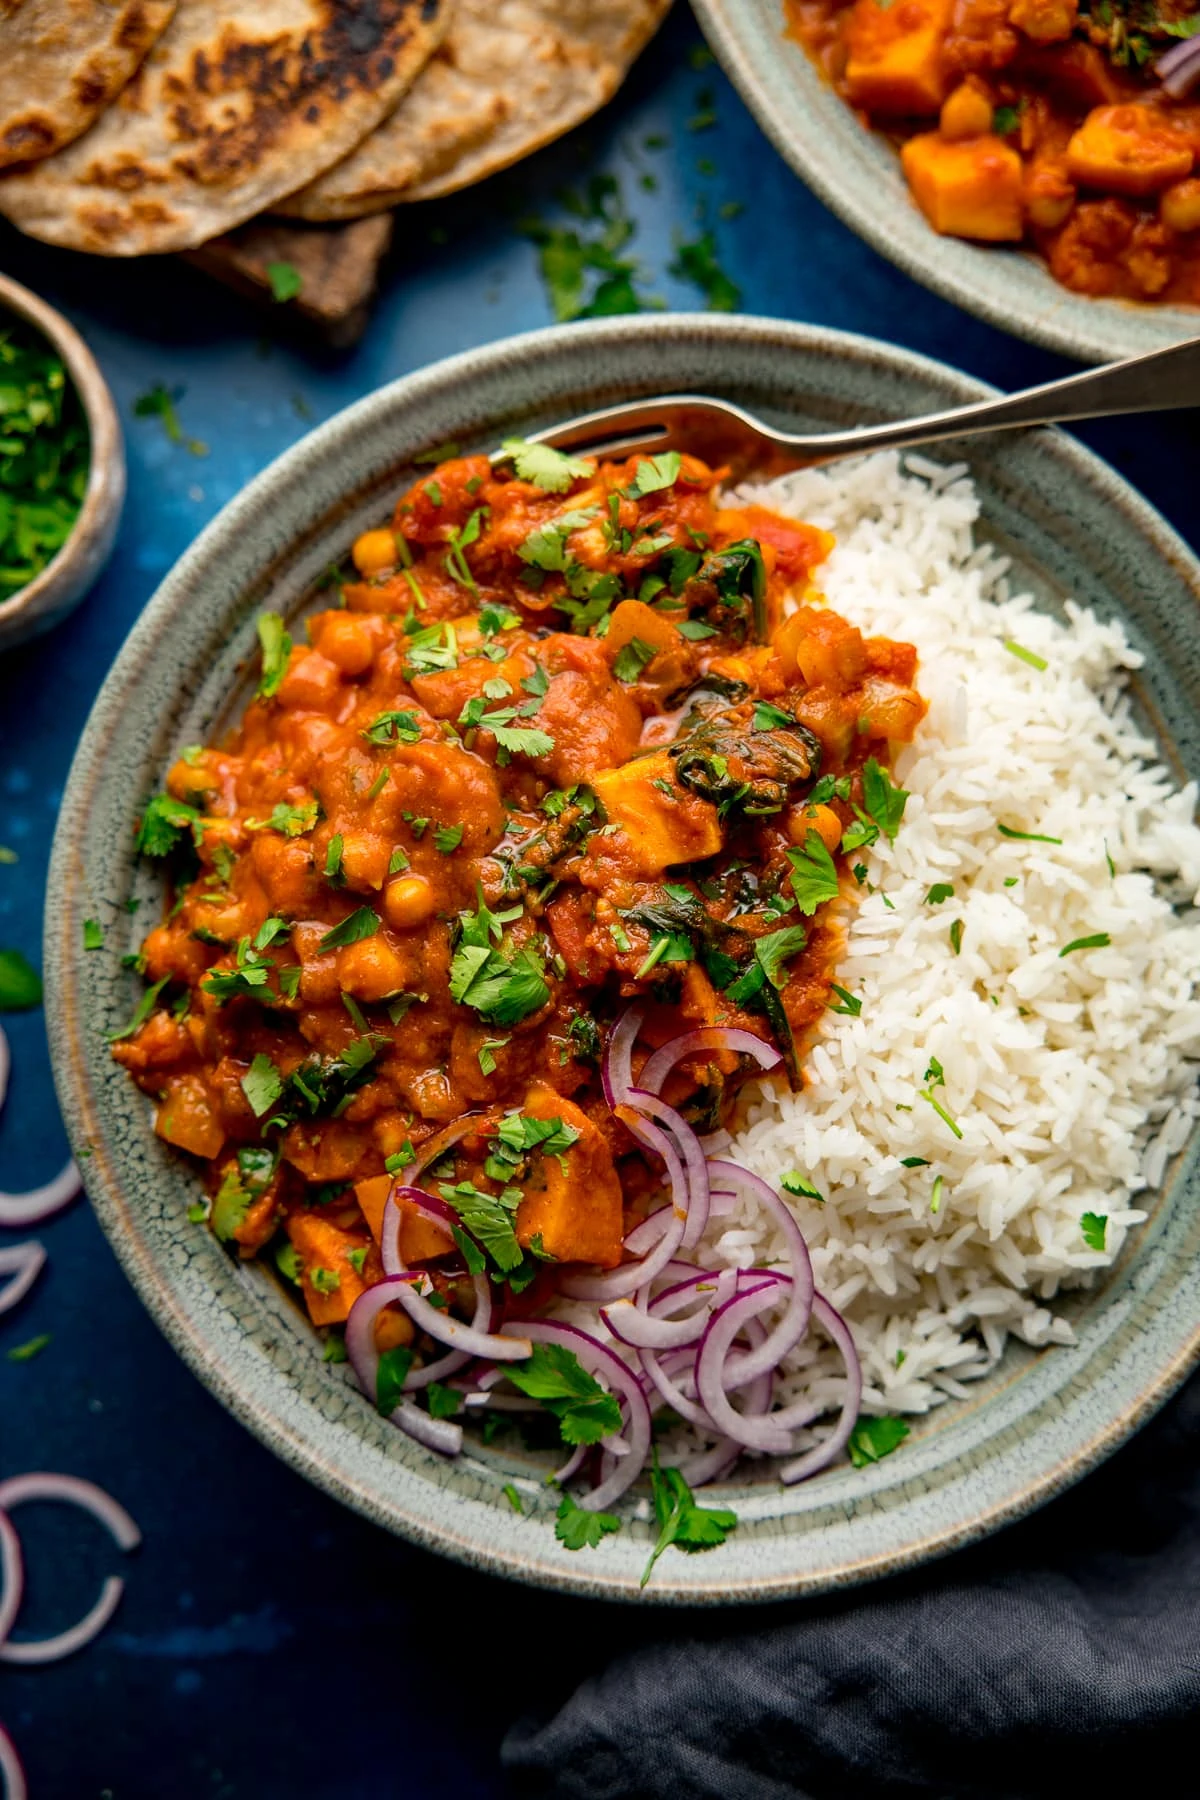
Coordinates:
271 1646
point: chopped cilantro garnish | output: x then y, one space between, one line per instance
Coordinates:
793 1182
160 402
488 1217
447 838
1029 837
93 934
935 1077
333 859
579 1529
1094 1227
698 264
554 471
1026 656
632 658
262 1084
680 1520
393 728
44 456
776 948
514 1499
444 1402
586 1412
1100 940
850 1004
289 821
394 1366
654 474
814 877
362 923
163 823
875 1438
935 1199
885 802
22 1353
941 890
285 279
142 1011
956 936
401 1158
914 1162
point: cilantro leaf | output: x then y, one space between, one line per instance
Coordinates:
362 923
163 823
654 473
586 1411
793 1182
93 934
941 890
851 1005
289 821
444 1402
142 1011
394 1366
884 801
447 838
632 658
262 1084
872 1439
20 983
1100 940
487 1217
581 1530
814 877
773 950
393 728
680 1520
276 648
1094 1227
551 470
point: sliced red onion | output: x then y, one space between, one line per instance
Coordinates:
794 1322
768 1433
15 1787
38 1204
709 1037
712 1464
5 1065
688 1145
444 1329
649 1324
1179 69
572 1465
437 1434
440 1142
22 1263
617 1283
813 1461
12 1575
663 1373
68 1488
430 1208
599 1360
616 1065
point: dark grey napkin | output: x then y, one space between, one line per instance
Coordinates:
1062 1658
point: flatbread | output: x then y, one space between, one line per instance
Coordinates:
62 62
511 75
237 102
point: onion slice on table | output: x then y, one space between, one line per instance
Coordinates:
22 1264
112 1515
38 1204
15 1787
600 1361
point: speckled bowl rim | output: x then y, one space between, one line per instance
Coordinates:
402 1484
857 175
77 562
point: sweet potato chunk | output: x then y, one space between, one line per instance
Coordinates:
663 828
1127 150
420 1239
970 189
187 1118
577 1213
895 65
330 1281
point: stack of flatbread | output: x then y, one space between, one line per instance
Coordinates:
133 127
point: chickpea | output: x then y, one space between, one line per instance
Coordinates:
966 113
821 819
371 970
408 901
348 641
1179 207
374 552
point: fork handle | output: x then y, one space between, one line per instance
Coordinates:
1160 381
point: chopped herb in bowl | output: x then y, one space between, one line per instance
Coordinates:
44 456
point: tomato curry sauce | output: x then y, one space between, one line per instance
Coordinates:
555 745
1034 120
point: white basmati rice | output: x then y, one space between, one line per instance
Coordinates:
1070 1078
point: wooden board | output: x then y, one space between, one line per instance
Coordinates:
338 266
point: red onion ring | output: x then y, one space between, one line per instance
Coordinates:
616 1065
68 1488
1179 68
598 1359
38 1204
440 1142
465 1340
813 1461
794 1323
708 1037
646 1324
12 1575
768 1433
711 1464
5 1065
617 1283
10 1768
688 1145
22 1263
436 1434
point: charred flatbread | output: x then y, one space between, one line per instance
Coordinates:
511 76
62 62
234 105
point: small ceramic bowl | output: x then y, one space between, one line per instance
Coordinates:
70 573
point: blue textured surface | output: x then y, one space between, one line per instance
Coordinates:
270 1644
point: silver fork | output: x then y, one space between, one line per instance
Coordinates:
721 432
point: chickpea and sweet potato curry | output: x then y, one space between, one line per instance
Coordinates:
569 735
1041 121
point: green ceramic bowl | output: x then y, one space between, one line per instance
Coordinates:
857 174
1069 524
